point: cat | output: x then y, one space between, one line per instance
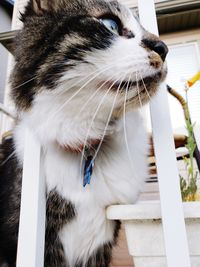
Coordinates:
83 69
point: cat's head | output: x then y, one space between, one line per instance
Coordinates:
80 58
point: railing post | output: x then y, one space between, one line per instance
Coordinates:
171 204
32 216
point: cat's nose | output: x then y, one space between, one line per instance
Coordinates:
161 48
158 46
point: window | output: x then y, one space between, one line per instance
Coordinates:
183 63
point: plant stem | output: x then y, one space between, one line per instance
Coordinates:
184 104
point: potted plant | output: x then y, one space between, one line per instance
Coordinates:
144 232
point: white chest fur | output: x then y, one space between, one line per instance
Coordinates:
118 177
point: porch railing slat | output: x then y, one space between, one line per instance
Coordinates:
32 216
171 204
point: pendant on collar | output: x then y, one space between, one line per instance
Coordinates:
89 158
88 169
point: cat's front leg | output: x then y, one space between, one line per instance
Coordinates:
59 212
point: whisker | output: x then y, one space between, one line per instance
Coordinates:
74 84
18 86
7 112
8 158
34 77
124 124
93 118
92 76
125 134
108 120
108 66
68 100
138 91
145 86
93 95
74 95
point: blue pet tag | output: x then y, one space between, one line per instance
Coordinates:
88 169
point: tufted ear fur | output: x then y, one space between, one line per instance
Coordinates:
39 6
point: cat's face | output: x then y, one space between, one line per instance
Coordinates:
83 57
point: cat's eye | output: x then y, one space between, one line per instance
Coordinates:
112 25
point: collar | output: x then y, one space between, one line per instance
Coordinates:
88 159
78 148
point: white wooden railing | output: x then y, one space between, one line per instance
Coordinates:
32 215
176 244
32 218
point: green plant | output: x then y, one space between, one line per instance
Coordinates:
188 186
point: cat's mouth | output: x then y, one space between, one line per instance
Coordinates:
138 92
142 83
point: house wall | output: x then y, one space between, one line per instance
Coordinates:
5 122
5 25
182 37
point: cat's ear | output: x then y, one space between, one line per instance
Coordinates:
39 6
